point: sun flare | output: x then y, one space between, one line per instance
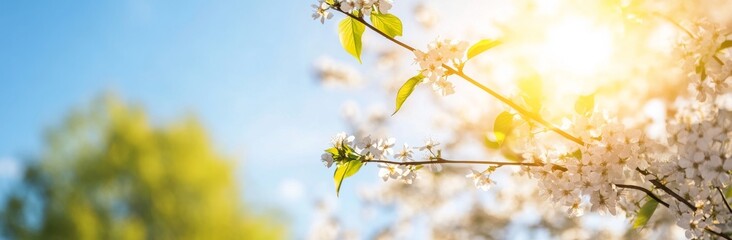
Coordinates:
576 46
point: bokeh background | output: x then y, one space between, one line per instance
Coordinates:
240 69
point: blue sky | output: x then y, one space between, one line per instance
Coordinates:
243 67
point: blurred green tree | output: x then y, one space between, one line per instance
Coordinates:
106 173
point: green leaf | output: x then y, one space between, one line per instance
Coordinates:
353 169
482 46
645 213
502 126
726 44
350 32
387 23
345 170
330 2
406 90
585 104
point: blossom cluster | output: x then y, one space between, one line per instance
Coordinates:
707 68
365 7
432 62
481 180
699 169
610 155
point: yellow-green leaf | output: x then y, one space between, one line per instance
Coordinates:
645 213
502 126
406 90
482 46
387 23
585 104
350 32
345 170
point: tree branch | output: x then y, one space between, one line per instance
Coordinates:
648 192
660 185
441 160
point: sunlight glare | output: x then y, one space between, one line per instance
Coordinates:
576 46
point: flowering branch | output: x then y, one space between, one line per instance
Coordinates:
508 102
608 151
650 194
488 90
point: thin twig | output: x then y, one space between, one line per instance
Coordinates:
440 160
724 198
648 192
660 185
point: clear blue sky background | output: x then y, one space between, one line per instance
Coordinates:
242 66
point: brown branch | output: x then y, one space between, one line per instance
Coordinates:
445 161
660 185
648 192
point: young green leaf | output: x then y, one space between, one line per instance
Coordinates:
482 46
387 23
406 90
585 104
350 32
355 166
502 126
345 170
645 213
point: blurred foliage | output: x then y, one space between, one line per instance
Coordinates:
106 173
